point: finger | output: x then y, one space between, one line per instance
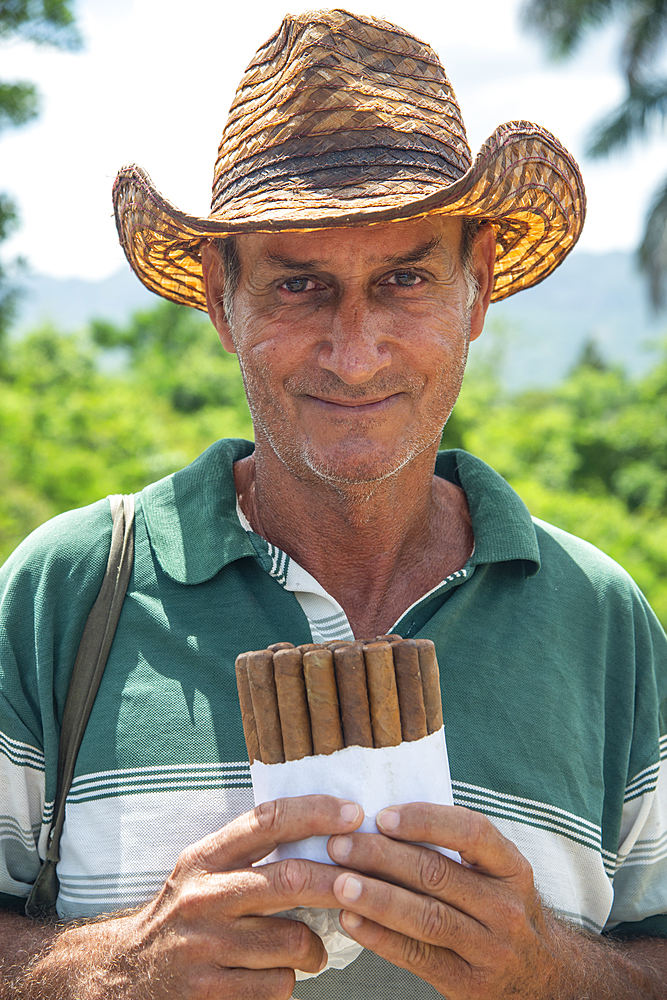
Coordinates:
419 869
415 916
260 891
273 942
438 966
477 840
252 836
267 984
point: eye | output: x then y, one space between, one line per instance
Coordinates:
296 285
404 279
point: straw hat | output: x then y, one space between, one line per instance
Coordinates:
342 120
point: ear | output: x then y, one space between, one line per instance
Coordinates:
483 262
214 286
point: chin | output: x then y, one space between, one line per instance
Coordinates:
350 464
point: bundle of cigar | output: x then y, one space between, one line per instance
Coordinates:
315 699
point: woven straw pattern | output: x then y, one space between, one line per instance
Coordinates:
344 120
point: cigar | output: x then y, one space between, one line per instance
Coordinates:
336 643
247 714
274 647
382 694
292 704
410 690
353 695
265 706
306 647
428 666
318 672
387 638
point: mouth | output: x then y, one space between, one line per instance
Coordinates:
361 405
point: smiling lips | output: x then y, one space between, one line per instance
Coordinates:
358 403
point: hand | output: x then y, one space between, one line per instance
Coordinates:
210 931
211 924
475 931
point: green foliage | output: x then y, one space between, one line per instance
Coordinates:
644 108
8 293
116 407
177 354
18 103
71 431
652 251
563 25
589 455
45 22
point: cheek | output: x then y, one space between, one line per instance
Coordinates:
443 347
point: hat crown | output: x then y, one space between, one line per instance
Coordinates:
339 102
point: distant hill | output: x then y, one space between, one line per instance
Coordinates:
71 302
600 297
534 337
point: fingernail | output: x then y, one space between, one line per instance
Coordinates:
350 920
341 847
351 889
388 819
349 812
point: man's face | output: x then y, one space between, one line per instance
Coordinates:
352 343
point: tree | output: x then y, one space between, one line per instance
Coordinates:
109 410
564 24
44 22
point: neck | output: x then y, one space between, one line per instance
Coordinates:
376 547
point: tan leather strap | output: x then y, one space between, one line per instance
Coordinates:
89 665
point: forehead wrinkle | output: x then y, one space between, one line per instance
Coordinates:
400 259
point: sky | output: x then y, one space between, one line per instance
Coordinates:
153 84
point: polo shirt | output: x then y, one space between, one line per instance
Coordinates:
553 675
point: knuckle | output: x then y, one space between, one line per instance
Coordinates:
265 818
298 939
291 877
284 984
514 916
417 954
188 861
524 870
478 829
434 872
435 923
188 902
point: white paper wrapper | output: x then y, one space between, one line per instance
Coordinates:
375 778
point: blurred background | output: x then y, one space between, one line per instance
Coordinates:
104 387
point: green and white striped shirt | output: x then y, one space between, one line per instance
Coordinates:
553 670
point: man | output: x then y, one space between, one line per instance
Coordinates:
349 260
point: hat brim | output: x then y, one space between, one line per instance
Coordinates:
523 181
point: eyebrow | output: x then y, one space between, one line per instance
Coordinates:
291 264
419 253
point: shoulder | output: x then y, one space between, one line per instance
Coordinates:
69 551
564 553
597 599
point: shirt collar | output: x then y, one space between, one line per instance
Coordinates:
502 525
194 529
191 515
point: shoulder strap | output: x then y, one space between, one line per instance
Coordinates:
89 665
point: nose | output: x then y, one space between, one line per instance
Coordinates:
356 347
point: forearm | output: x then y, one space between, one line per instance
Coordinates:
21 940
90 961
600 967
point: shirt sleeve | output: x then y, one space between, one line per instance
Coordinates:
640 879
47 588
